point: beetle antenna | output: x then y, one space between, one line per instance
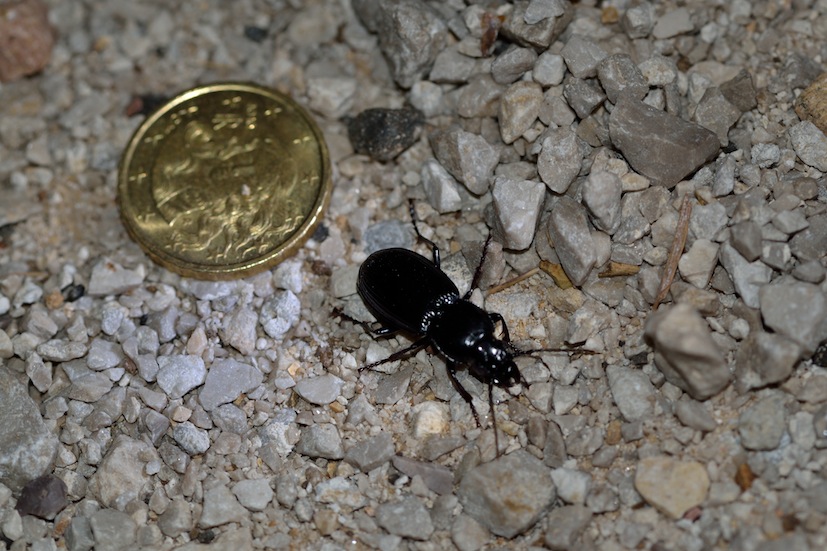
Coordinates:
478 272
494 416
434 248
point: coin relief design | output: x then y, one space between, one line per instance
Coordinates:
224 181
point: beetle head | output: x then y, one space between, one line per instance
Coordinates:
497 364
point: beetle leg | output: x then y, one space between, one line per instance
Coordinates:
434 248
399 354
495 317
478 272
452 374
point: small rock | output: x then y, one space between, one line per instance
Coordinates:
190 438
568 228
113 530
468 534
467 157
685 352
764 359
747 277
255 495
26 38
512 64
383 134
221 507
619 75
407 518
673 23
239 330
542 33
663 147
321 441
632 392
762 425
717 114
560 158
176 519
549 69
179 374
639 20
565 526
695 415
387 234
507 495
698 263
121 476
810 144
110 278
671 486
43 497
371 453
516 211
320 390
60 350
280 313
582 56
341 493
437 478
572 485
796 310
226 380
745 237
519 108
440 187
103 354
601 196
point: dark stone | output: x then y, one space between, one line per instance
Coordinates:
43 497
662 147
383 134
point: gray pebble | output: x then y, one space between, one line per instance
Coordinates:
559 160
568 229
512 64
619 75
810 272
673 23
724 182
103 354
719 115
543 33
387 234
748 277
192 440
280 313
582 56
507 495
176 519
539 10
467 157
321 441
230 418
239 330
320 390
685 352
639 20
661 146
221 507
79 535
584 96
468 534
452 67
407 518
698 263
121 476
440 187
371 453
549 69
254 495
113 530
179 374
110 278
519 108
707 220
340 492
810 144
808 244
61 350
410 36
601 196
745 237
572 485
762 425
517 206
632 392
566 525
790 221
383 134
796 310
226 380
437 478
695 415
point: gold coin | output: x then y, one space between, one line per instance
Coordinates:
224 181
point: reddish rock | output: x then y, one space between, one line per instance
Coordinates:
26 38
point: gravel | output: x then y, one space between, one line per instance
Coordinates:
145 410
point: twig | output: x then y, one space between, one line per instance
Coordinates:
510 282
675 251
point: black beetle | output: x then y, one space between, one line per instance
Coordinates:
407 292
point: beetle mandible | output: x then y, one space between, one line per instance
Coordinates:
407 292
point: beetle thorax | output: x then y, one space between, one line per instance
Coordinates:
460 331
